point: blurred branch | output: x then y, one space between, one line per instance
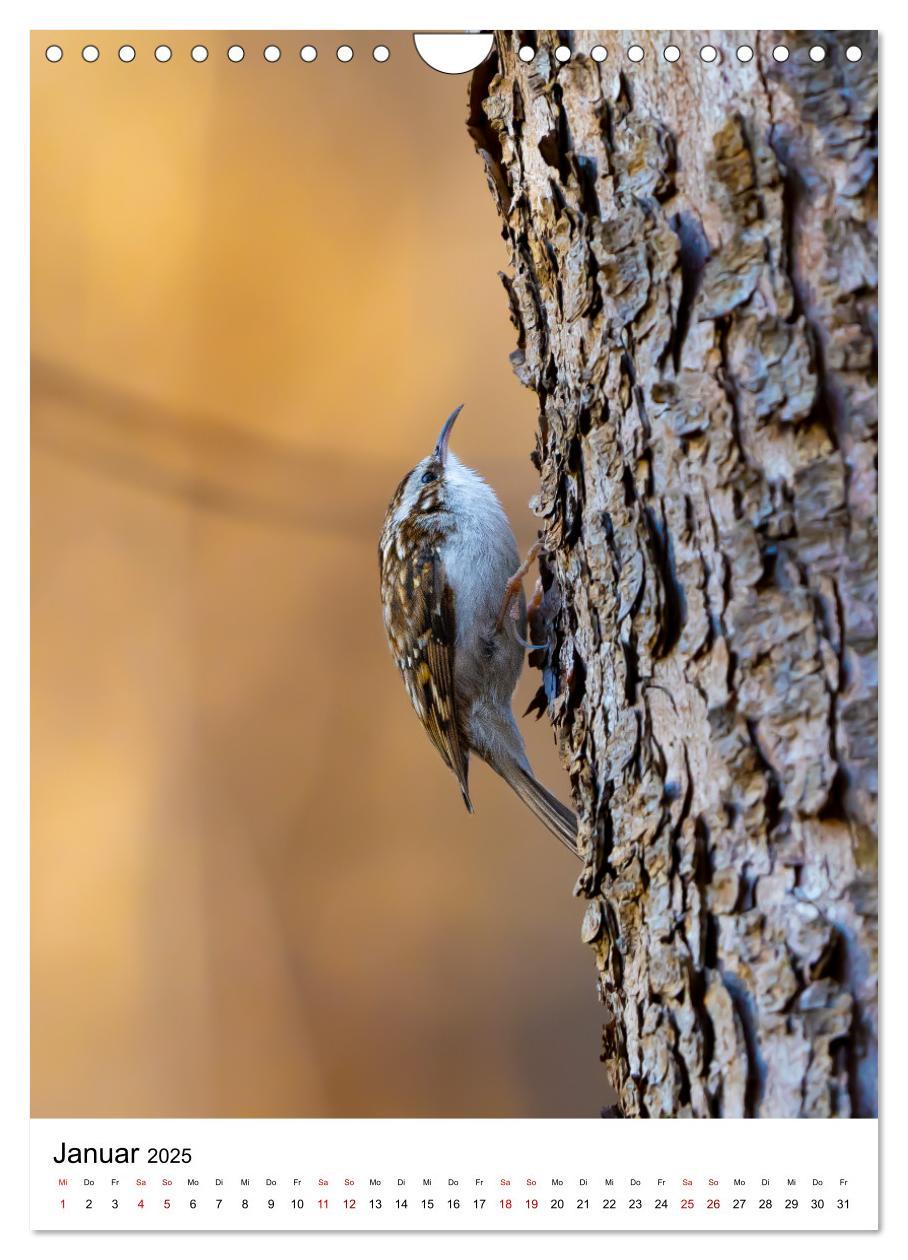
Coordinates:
206 462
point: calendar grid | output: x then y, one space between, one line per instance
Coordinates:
453 1174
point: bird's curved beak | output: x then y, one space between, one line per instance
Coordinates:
441 446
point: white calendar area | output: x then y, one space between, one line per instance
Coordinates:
453 1174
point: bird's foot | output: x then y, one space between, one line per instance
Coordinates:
513 587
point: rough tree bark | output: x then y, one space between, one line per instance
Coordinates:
694 289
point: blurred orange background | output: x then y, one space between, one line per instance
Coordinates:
257 291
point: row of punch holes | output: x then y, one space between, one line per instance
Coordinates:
199 53
708 53
635 53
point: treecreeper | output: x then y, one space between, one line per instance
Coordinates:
455 616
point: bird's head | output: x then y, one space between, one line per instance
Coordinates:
423 490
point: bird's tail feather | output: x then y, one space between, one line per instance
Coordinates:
560 820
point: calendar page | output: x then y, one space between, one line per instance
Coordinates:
453 629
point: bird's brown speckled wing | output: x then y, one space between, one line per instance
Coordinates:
419 619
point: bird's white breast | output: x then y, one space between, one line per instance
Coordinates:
479 556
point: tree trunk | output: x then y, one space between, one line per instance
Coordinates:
694 290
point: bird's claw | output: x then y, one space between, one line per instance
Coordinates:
530 647
514 585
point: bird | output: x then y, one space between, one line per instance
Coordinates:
455 617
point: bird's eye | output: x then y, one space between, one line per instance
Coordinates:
427 477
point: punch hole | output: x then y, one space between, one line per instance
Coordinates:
126 53
562 53
272 53
453 54
236 52
853 53
526 53
599 53
53 52
162 53
345 53
308 53
635 53
90 53
817 53
381 52
708 53
672 52
780 53
199 53
745 53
